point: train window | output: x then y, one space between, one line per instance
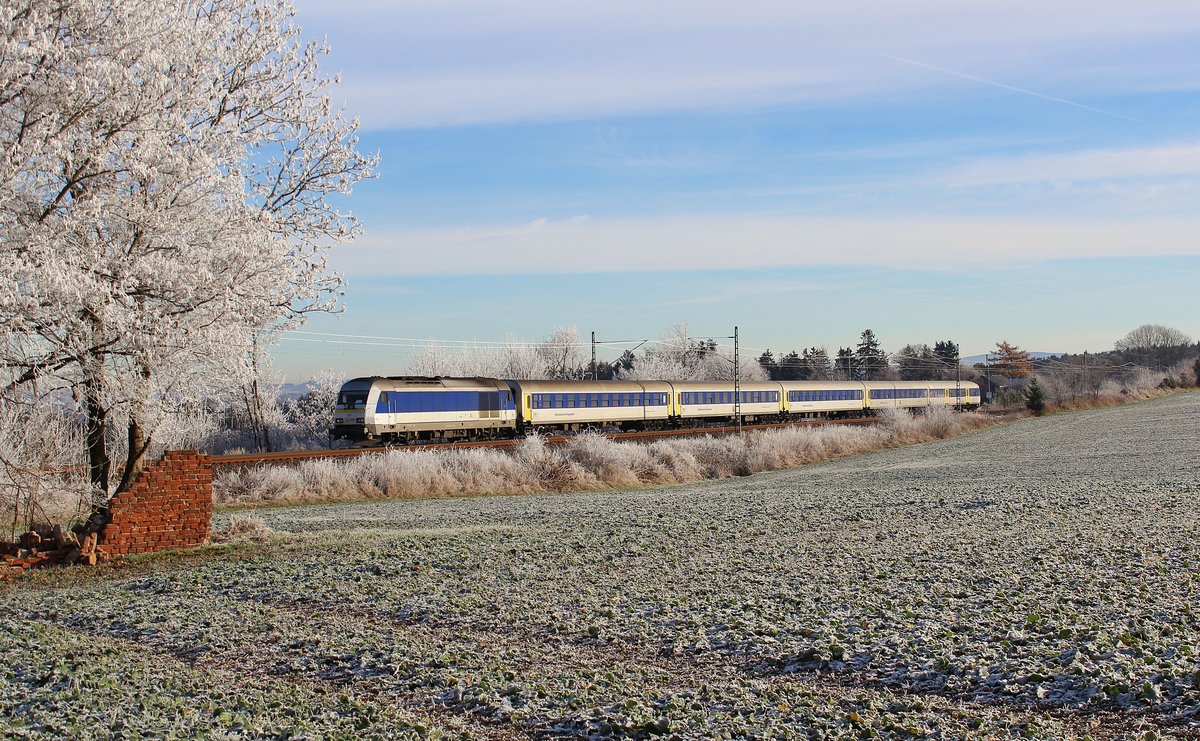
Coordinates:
352 400
383 398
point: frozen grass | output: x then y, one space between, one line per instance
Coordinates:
1036 580
243 528
588 462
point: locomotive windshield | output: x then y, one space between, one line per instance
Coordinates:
352 400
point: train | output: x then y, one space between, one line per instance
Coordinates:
407 409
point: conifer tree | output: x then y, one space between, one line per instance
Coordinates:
1035 400
869 358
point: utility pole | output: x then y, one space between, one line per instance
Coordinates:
596 364
737 380
987 373
1087 377
958 385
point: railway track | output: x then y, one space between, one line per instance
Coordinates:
251 458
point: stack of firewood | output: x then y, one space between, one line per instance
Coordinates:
50 546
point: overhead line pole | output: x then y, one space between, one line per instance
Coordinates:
737 380
595 363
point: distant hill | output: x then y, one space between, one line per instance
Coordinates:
294 390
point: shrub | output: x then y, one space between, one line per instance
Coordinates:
586 462
243 528
1034 400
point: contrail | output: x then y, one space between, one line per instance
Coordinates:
1072 103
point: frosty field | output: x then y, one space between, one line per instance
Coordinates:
1038 579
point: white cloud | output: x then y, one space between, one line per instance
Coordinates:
467 61
1180 160
751 241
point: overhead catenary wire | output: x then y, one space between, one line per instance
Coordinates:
697 343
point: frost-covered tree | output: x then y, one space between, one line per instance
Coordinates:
1155 346
816 361
677 356
166 173
1152 335
869 359
40 456
515 358
562 354
312 413
844 365
917 362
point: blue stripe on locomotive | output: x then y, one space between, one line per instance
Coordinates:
410 402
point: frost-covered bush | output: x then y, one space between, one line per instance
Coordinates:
43 477
242 528
585 462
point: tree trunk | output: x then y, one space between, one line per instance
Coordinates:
99 463
135 458
260 418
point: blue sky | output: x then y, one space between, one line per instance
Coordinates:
930 170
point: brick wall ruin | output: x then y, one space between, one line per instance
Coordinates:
169 506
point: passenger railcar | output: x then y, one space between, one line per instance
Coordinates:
823 398
964 394
714 400
573 405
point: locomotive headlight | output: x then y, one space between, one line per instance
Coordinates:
360 420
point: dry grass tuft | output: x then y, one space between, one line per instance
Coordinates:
588 462
243 528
